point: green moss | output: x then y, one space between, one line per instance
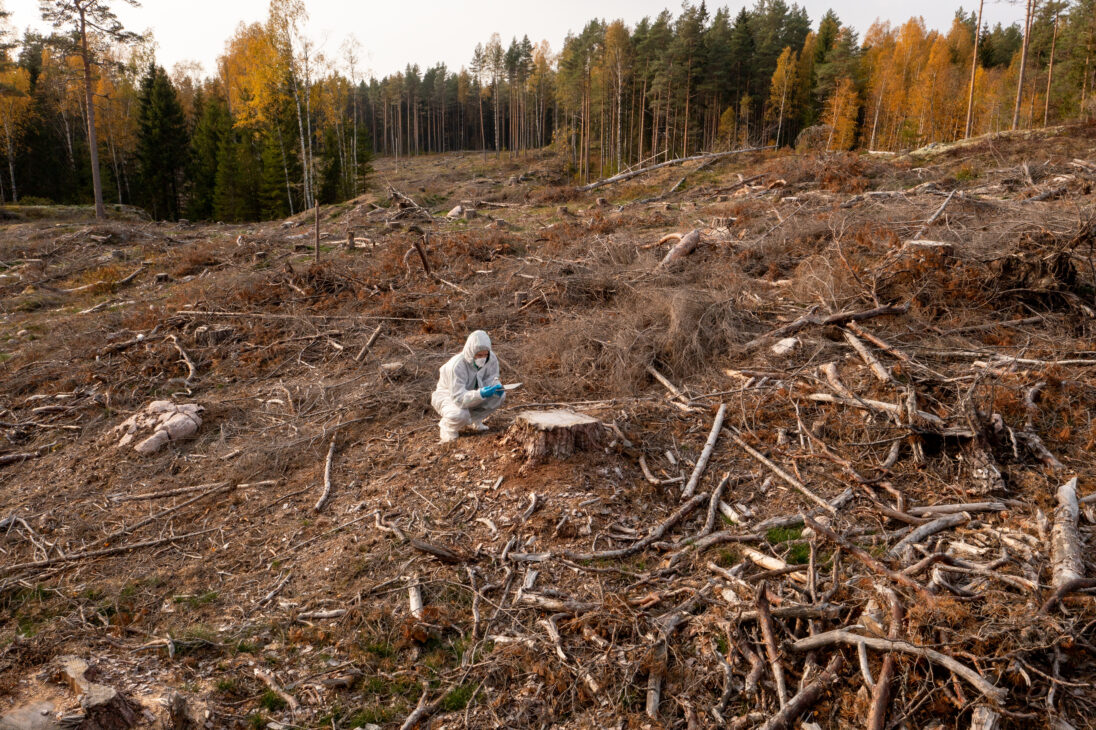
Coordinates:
783 534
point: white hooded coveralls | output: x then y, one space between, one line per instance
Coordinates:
457 399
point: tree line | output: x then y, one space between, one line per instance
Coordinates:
86 115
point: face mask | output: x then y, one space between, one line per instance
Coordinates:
480 362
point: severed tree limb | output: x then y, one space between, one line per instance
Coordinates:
276 688
73 557
838 319
683 248
806 698
795 483
369 343
765 618
326 476
934 217
111 284
864 557
192 369
635 173
881 692
843 636
1030 437
655 535
706 454
713 505
1067 562
878 370
928 529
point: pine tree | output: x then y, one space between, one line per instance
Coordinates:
85 17
161 144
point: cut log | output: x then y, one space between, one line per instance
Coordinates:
1068 564
555 434
684 247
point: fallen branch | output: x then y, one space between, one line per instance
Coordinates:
840 318
706 454
928 529
326 476
795 483
635 173
806 698
684 247
935 216
111 284
682 512
843 636
765 618
269 681
73 557
1067 562
864 557
192 369
369 343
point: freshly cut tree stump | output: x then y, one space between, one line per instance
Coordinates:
555 434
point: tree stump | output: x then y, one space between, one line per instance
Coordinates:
555 434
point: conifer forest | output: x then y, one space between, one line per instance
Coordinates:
281 125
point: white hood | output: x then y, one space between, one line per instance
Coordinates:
476 342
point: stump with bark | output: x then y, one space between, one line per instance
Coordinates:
555 434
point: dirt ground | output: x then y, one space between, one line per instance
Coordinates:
956 370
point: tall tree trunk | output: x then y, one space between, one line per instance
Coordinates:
1030 9
304 149
1050 70
285 169
11 163
93 139
973 72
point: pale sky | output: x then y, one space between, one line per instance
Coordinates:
393 34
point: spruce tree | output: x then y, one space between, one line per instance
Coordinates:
161 144
213 126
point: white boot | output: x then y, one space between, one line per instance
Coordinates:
479 426
447 435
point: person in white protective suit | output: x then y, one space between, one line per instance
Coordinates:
468 387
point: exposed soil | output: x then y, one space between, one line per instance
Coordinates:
993 344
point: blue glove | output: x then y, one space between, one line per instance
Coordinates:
492 390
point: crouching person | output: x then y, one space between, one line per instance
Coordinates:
468 387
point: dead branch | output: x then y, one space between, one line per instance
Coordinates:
706 454
105 283
935 216
1067 561
269 681
792 481
881 692
192 370
369 343
765 618
88 555
842 636
635 173
809 319
928 529
681 513
326 476
805 698
684 247
864 557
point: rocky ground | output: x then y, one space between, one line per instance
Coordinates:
891 358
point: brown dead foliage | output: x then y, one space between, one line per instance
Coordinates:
578 310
